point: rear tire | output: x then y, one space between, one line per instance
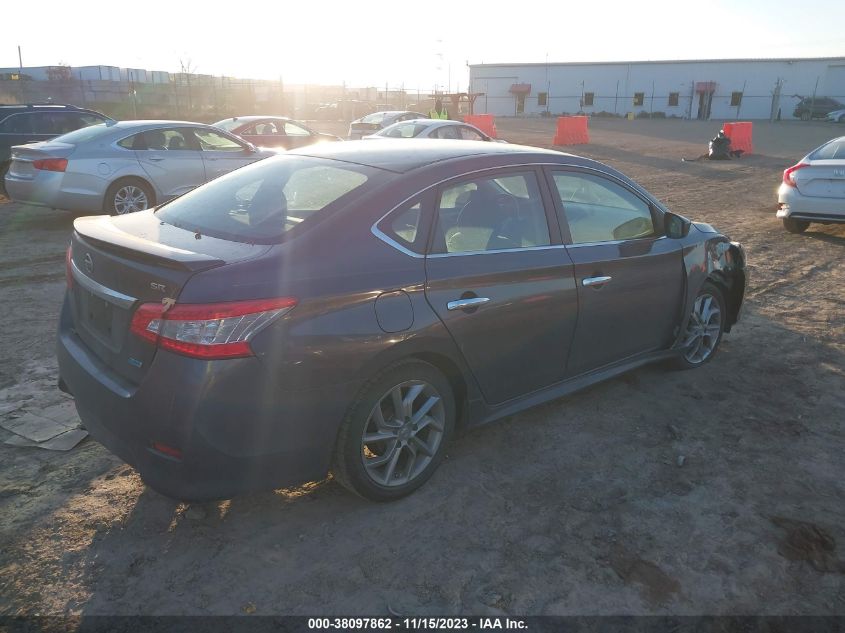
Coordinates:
395 433
4 167
795 226
128 195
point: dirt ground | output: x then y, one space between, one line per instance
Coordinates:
716 491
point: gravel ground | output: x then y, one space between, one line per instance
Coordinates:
716 491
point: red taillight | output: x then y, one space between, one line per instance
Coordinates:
50 164
787 173
208 331
68 263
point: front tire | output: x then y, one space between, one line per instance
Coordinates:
4 168
795 226
128 195
704 329
395 433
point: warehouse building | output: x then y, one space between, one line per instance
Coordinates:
691 89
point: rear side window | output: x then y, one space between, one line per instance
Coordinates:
405 130
17 124
260 203
830 151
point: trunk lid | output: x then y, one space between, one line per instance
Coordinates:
119 263
822 179
24 155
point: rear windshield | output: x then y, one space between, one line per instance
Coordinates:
833 150
258 204
85 134
404 130
229 124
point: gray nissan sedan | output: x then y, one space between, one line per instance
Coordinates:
344 307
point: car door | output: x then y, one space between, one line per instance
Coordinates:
171 158
500 281
630 277
222 153
297 136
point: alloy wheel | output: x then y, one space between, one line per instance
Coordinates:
703 329
129 199
403 433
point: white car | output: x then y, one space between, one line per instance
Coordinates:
837 116
813 190
433 128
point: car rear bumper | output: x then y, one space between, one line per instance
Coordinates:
236 429
792 204
46 190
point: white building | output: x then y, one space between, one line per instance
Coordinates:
703 89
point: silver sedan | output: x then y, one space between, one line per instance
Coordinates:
124 167
433 128
813 190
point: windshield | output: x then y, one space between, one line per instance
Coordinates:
228 125
260 203
84 134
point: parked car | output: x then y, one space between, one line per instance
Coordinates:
273 131
378 120
815 107
432 128
344 306
813 190
837 116
35 122
124 167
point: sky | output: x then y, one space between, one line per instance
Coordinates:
377 43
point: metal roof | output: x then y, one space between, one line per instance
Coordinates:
667 61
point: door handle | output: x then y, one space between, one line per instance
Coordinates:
463 304
156 159
595 281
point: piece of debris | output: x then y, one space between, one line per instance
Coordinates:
61 442
681 460
36 427
657 585
808 542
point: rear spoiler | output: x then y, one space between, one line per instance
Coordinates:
101 230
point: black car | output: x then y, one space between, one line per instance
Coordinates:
30 123
815 108
345 306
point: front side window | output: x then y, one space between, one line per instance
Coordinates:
600 210
447 132
211 141
292 129
261 202
468 134
488 214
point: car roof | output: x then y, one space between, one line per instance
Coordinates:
14 108
403 155
255 117
154 123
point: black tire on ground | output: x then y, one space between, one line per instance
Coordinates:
110 203
687 359
349 453
795 226
4 167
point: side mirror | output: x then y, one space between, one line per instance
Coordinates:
675 226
